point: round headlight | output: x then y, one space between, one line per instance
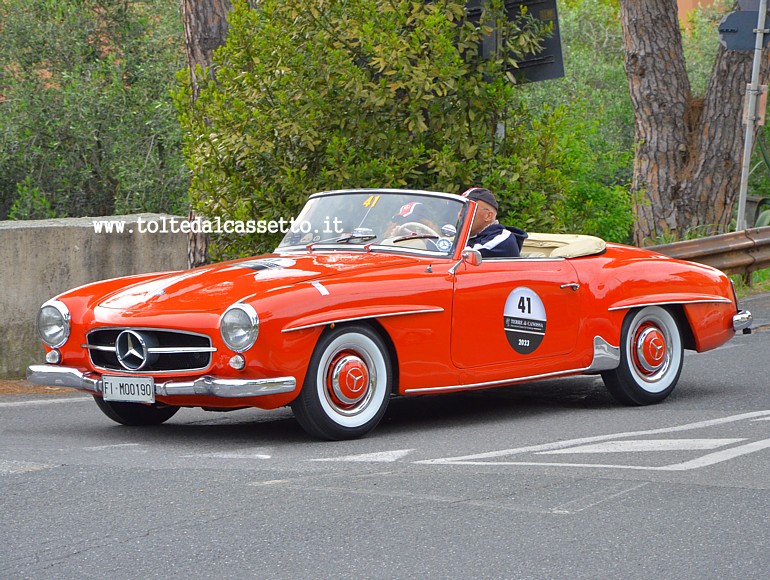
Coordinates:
239 327
53 323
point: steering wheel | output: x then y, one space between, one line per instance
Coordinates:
415 228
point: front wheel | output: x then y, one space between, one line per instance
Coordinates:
135 414
347 386
651 358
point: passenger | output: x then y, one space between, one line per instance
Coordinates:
413 218
489 236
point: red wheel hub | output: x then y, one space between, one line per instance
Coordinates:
348 380
650 349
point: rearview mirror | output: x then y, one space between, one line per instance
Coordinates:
472 257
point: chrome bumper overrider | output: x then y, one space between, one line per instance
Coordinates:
50 375
742 321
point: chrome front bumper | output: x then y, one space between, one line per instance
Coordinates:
742 321
51 375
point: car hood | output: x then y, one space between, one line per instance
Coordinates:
214 288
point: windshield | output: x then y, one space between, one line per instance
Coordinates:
408 221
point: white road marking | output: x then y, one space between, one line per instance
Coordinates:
634 446
719 456
597 498
710 459
45 402
230 455
114 446
379 457
10 467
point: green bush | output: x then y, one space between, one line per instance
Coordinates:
375 93
30 203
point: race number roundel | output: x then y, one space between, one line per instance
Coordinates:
524 318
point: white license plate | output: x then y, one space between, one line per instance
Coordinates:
128 389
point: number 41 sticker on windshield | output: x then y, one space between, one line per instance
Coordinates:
524 319
371 201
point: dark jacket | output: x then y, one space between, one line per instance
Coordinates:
498 241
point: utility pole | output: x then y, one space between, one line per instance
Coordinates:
751 117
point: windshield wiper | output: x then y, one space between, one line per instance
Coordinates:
344 238
415 237
354 236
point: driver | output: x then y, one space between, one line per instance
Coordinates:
489 236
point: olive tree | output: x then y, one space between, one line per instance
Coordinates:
87 124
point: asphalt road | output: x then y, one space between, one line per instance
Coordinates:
546 480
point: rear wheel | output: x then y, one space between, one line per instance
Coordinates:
347 386
135 414
651 358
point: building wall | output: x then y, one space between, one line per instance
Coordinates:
686 5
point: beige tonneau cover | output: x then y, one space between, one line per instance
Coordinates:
561 246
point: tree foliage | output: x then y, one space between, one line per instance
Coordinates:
596 88
594 82
334 94
87 125
591 113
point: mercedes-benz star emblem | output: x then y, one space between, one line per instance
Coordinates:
355 380
131 349
657 349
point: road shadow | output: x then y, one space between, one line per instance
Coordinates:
499 404
247 427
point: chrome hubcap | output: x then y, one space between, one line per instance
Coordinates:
650 349
350 379
350 382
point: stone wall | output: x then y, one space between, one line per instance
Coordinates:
40 259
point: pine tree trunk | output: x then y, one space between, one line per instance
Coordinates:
688 155
205 29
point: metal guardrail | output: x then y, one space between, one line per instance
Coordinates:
740 252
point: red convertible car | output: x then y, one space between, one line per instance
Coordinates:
374 293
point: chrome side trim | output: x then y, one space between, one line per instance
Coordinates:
496 383
664 302
742 320
354 318
207 385
606 356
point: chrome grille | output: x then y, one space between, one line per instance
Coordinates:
167 350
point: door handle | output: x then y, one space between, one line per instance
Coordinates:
573 285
